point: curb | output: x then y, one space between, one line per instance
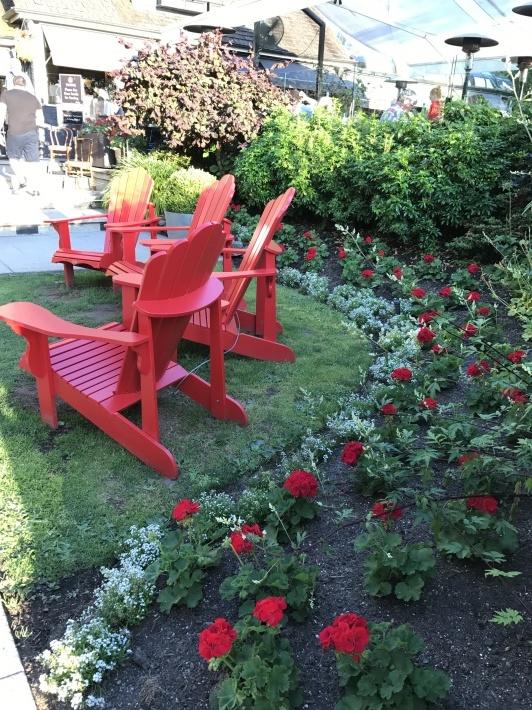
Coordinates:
14 687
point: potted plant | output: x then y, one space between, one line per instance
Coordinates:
180 193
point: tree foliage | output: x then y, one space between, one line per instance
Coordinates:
202 97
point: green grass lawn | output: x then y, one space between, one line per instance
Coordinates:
67 497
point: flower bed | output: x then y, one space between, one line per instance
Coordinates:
405 519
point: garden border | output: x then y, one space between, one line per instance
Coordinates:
14 685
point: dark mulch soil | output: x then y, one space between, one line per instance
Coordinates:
488 664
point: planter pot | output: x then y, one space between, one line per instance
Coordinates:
177 219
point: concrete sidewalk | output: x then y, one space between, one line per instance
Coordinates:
33 252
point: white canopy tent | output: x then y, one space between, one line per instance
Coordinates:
398 38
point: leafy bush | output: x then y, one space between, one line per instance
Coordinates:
203 98
161 165
183 188
393 567
411 179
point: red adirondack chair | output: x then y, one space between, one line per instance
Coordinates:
128 206
212 205
244 332
102 371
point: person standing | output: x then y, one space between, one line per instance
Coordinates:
24 117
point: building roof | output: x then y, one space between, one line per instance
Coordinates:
300 39
118 13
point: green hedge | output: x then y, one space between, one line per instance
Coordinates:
410 179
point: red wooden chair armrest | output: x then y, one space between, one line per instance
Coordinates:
273 248
133 279
83 218
182 305
30 316
233 250
222 275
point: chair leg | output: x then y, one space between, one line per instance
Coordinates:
218 393
69 275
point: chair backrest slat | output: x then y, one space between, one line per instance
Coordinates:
128 200
213 202
268 224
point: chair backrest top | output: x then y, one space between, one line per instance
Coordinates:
268 224
129 197
61 136
213 202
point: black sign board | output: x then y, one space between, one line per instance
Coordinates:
71 88
73 118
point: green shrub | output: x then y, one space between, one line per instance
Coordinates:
183 188
411 179
161 165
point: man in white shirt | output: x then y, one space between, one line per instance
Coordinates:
24 117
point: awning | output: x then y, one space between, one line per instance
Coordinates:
85 49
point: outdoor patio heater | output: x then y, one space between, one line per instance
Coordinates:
524 9
401 84
470 44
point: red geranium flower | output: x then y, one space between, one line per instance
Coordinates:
418 292
473 268
516 356
427 317
388 409
425 335
445 292
307 234
486 504
240 544
515 395
381 252
216 640
386 511
270 610
342 253
397 272
184 509
438 349
348 633
352 451
301 484
402 374
311 254
476 369
464 458
474 296
429 403
428 258
368 239
469 330
252 529
367 273
483 311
